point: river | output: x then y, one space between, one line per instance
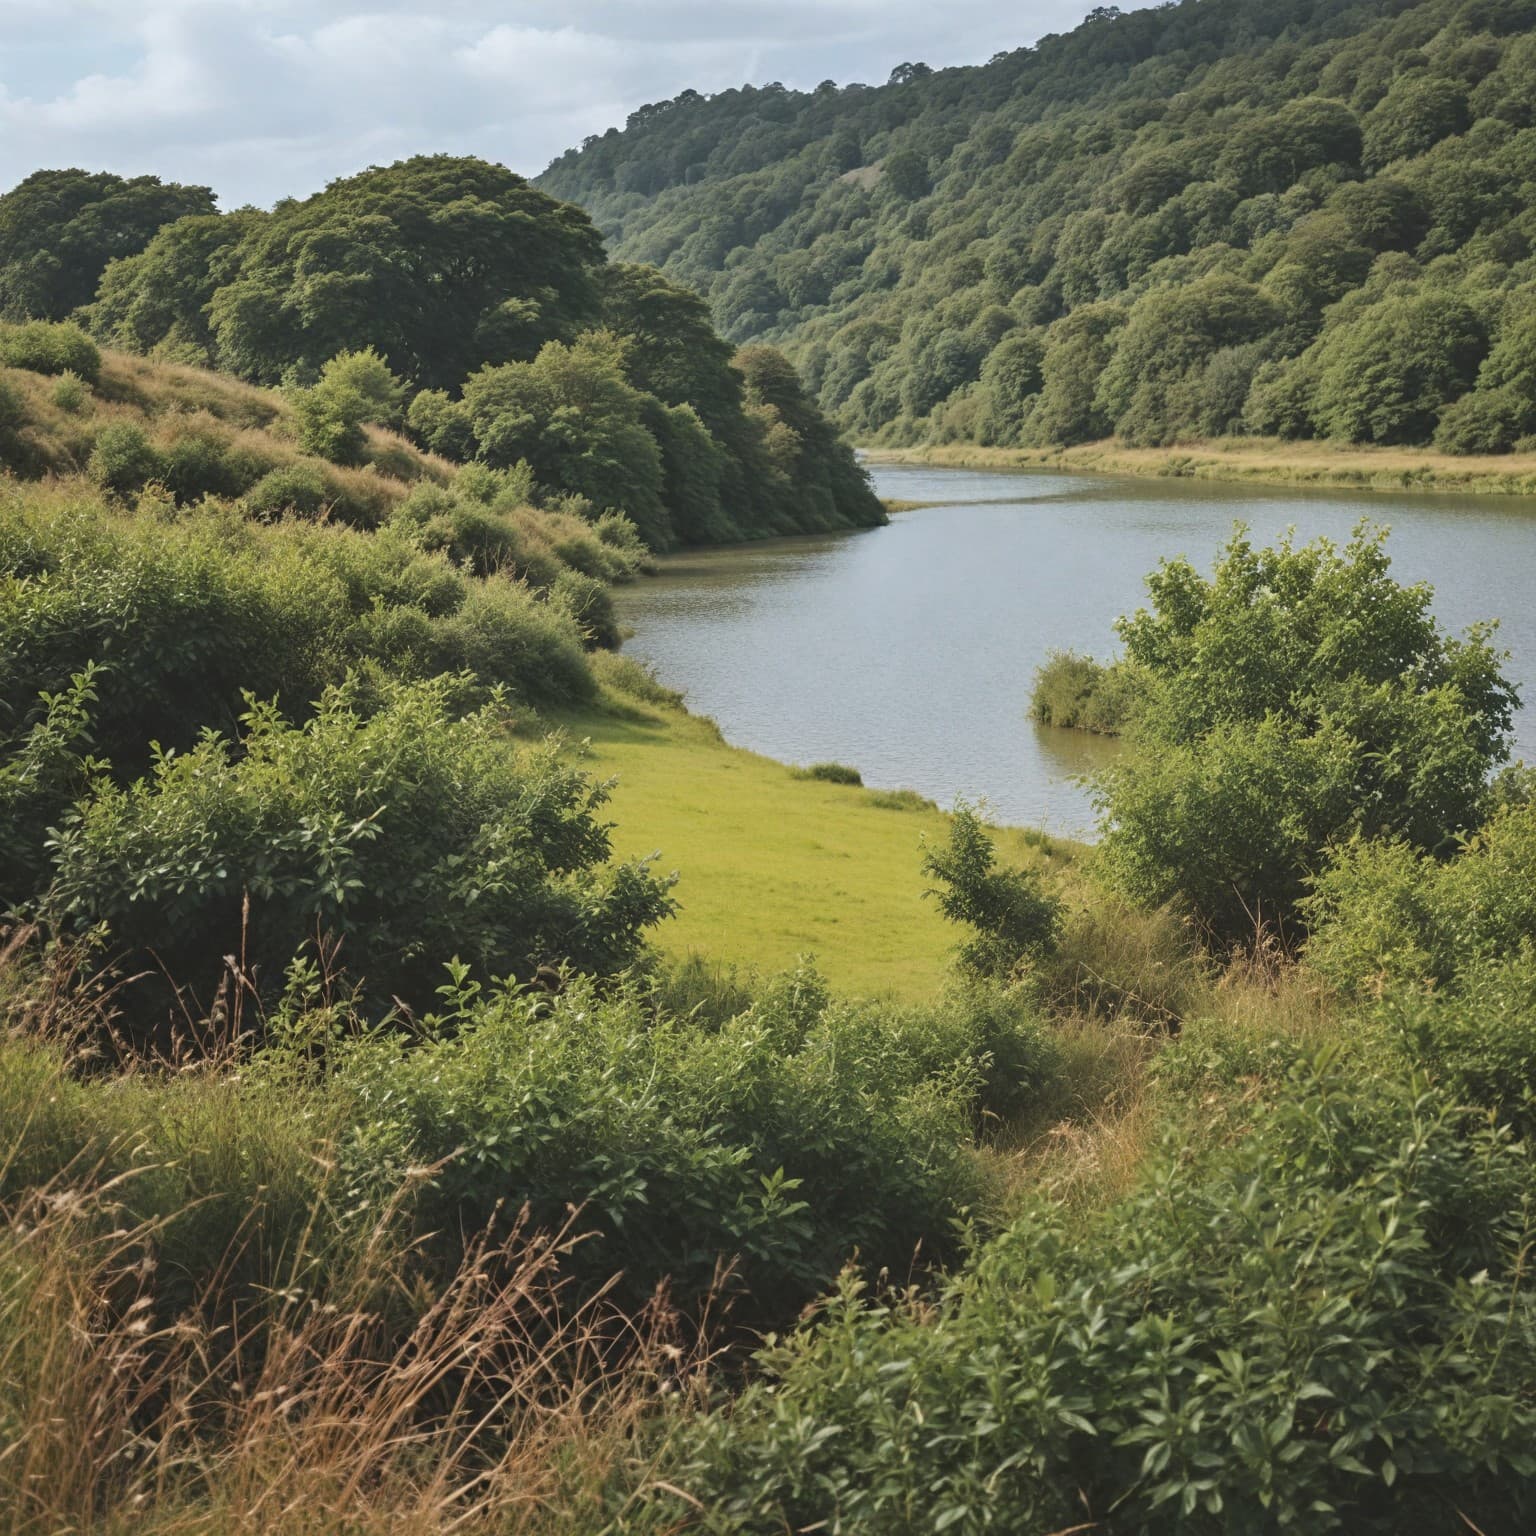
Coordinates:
908 651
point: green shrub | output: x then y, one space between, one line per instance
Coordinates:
1479 1038
47 347
590 603
1079 693
442 425
405 836
124 460
635 679
183 618
1297 697
295 488
1382 912
1330 1327
789 1135
70 393
1015 922
899 800
830 773
198 464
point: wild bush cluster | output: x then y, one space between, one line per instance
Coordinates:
1185 221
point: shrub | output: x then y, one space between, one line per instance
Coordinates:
1479 1037
297 488
1079 693
442 425
70 393
182 617
899 800
1329 1328
404 836
830 773
198 464
1384 912
1295 698
1015 922
123 459
47 347
635 679
788 1135
590 604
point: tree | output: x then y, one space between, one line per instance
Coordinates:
442 264
1296 698
906 174
1416 113
1385 372
1010 380
157 301
60 229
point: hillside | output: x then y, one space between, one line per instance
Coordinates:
444 297
1294 220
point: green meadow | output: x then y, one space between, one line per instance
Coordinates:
773 867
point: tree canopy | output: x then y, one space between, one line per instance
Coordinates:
1307 221
59 229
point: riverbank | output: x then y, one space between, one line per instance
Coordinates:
1265 461
774 867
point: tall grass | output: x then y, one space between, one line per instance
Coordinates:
329 1386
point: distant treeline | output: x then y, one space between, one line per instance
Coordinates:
1311 218
499 329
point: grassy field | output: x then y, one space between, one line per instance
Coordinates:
774 867
1260 460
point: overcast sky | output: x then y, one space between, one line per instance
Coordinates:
267 98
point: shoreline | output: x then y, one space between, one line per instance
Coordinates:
1253 461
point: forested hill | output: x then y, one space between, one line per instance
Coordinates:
445 296
1296 218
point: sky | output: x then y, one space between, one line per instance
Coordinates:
262 99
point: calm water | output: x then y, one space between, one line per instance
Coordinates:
908 651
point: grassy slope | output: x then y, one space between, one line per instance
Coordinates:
774 867
1266 461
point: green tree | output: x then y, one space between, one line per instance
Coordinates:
157 301
579 423
442 264
1010 380
60 229
1415 114
1385 373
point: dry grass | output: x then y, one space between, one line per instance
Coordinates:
1262 460
495 1405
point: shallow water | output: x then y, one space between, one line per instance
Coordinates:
908 651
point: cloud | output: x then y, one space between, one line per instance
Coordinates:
271 98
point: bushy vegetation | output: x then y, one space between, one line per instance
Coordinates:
1078 693
781 1138
1228 1350
389 832
1297 698
1183 221
447 296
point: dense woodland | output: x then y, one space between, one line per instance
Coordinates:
368 1162
1303 219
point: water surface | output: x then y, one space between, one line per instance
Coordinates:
908 651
